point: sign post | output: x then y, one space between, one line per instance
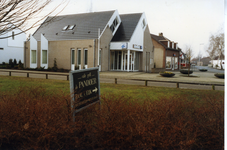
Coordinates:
84 88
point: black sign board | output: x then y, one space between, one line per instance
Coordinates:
85 88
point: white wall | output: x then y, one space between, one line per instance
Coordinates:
138 35
12 49
44 46
217 62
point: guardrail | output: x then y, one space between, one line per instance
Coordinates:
177 83
46 73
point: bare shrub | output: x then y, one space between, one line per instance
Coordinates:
32 118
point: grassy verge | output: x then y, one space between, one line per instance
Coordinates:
137 92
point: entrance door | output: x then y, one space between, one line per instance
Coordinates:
72 59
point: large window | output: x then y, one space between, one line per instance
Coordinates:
33 59
44 56
168 62
79 57
176 63
85 56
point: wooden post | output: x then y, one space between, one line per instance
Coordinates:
28 75
213 87
177 84
46 76
115 80
67 77
10 73
145 82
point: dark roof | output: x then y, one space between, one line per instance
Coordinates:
162 38
158 38
127 27
87 25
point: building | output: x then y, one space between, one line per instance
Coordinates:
166 52
13 46
105 39
218 62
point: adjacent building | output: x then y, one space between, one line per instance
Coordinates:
166 53
12 47
105 39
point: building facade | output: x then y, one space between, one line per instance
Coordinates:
13 46
105 39
166 53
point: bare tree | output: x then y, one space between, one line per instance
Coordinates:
189 54
216 47
16 14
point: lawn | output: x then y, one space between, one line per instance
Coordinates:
135 92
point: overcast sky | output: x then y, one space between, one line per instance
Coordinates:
188 22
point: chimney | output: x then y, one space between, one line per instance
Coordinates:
161 34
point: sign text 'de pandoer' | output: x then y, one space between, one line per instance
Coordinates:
84 84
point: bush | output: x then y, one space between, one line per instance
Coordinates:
11 65
203 70
34 119
186 71
15 62
219 75
55 67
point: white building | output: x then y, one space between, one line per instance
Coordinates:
12 47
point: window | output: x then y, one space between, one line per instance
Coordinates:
73 56
44 56
68 27
71 27
13 35
144 23
114 24
65 28
79 57
33 59
168 62
85 56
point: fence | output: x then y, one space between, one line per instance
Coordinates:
115 80
35 72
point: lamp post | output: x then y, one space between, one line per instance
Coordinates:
199 53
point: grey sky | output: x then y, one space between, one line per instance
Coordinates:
188 22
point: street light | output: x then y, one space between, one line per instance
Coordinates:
199 53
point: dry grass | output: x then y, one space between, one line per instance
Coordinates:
32 119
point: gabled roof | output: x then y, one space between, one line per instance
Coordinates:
127 27
87 25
